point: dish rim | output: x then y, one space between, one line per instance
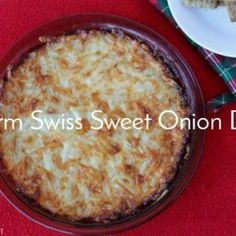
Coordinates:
93 20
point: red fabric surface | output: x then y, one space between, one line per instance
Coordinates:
208 205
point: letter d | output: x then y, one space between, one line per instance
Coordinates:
232 120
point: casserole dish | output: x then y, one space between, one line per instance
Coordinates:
176 66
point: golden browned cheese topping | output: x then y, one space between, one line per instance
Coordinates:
88 173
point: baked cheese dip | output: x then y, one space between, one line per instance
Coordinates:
91 174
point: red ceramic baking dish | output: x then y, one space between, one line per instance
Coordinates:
176 66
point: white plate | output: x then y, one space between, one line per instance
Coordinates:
210 28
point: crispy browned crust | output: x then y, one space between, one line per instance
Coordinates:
39 165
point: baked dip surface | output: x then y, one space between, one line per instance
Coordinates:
85 173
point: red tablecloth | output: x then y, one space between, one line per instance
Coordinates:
208 205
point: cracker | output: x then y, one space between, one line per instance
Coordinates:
201 3
231 7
